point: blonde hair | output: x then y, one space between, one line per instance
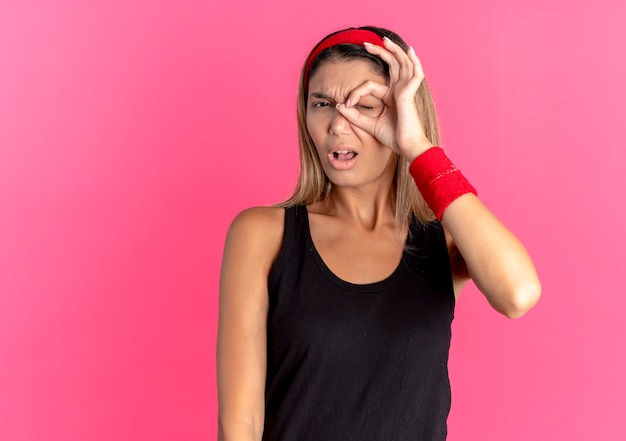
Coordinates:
313 185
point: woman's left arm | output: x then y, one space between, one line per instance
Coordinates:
482 248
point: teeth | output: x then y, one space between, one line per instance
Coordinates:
336 153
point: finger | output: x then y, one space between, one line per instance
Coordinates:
408 76
404 61
400 65
355 117
387 57
418 70
373 88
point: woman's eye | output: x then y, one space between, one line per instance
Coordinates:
321 104
373 110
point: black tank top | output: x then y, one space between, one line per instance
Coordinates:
358 362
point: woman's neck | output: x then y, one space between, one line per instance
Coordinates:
361 208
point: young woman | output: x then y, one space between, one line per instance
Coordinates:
336 306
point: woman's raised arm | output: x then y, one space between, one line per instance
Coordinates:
480 246
492 256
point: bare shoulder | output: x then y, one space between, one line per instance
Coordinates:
259 223
257 233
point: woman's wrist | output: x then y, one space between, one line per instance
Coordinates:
412 153
438 180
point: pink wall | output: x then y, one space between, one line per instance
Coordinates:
132 132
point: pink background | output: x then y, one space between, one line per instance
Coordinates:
132 132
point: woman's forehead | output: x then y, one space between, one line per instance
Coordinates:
343 73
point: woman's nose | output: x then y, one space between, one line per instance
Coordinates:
339 125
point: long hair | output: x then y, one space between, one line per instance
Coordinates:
313 185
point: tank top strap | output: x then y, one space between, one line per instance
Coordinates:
294 239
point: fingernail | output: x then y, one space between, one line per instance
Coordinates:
412 50
367 43
386 38
348 103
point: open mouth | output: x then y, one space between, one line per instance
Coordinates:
343 155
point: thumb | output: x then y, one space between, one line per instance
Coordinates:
355 117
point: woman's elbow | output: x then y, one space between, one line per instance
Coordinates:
522 298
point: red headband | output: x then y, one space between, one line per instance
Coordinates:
349 36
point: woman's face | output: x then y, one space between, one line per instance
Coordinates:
350 156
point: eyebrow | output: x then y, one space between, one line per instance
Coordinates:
330 98
321 96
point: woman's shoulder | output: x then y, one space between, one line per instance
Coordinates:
259 221
258 231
